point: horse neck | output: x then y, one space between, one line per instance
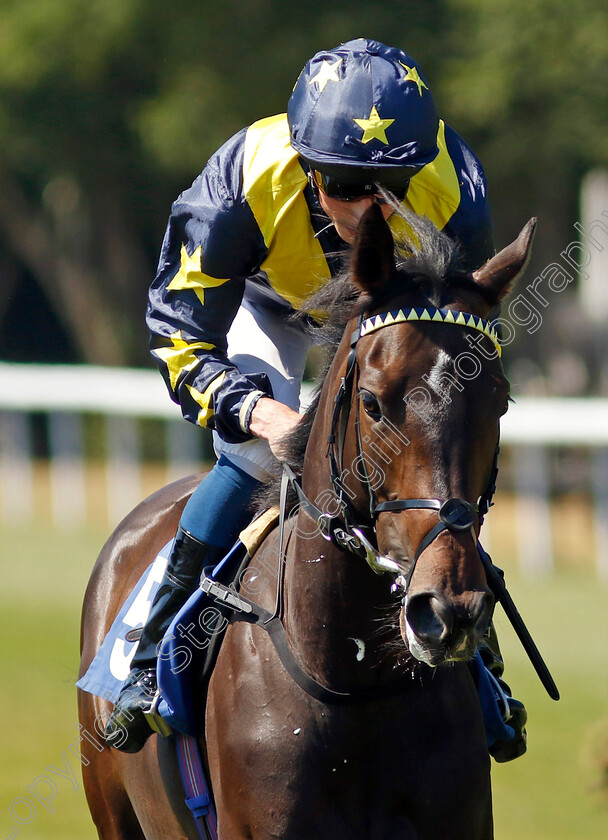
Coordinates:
338 614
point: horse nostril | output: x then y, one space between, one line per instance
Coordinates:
434 619
428 617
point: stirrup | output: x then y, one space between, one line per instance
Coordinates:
157 723
127 729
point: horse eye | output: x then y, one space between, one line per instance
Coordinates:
370 405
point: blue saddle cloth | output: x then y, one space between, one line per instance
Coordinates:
187 637
112 663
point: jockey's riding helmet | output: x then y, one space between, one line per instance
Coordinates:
363 111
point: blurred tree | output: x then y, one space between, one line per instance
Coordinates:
525 82
66 83
108 108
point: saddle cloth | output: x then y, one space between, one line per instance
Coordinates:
112 662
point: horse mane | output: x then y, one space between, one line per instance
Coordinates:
425 258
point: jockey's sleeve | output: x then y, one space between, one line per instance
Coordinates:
471 224
211 245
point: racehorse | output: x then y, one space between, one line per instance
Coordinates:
382 593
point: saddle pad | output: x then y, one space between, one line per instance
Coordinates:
261 526
112 662
187 637
111 665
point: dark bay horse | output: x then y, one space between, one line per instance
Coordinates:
412 440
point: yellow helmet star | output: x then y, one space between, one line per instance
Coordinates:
327 73
374 128
412 75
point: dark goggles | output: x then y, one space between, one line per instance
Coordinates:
352 192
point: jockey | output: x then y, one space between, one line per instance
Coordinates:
264 226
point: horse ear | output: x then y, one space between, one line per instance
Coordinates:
373 259
499 275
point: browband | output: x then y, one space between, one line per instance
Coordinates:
443 316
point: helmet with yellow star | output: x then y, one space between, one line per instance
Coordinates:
363 110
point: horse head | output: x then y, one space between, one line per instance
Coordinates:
428 394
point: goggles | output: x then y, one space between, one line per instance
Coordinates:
352 192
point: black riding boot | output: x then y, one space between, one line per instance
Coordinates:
492 658
128 728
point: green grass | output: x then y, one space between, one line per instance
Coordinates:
552 793
549 794
44 575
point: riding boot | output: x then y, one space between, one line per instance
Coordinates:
517 716
127 728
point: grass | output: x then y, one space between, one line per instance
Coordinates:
43 579
552 793
549 794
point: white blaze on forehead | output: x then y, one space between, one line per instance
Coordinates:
436 379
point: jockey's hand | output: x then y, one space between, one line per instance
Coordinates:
271 421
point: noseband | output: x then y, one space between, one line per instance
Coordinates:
454 514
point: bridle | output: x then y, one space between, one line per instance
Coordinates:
343 530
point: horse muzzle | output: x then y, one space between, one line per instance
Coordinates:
437 631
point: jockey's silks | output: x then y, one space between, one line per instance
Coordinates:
250 226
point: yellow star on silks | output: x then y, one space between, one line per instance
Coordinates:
180 355
327 73
413 76
190 275
374 128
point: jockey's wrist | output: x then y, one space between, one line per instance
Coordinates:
246 409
